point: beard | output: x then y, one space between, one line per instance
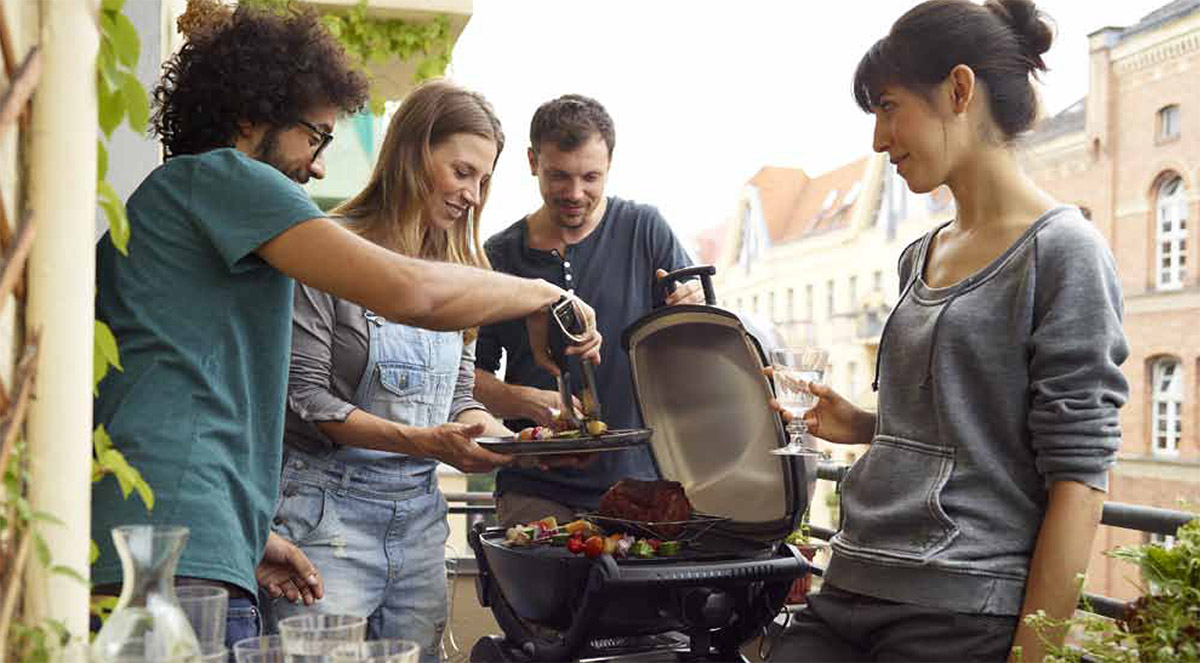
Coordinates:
564 221
268 152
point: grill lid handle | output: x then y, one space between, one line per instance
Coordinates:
705 272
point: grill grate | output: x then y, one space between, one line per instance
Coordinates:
684 531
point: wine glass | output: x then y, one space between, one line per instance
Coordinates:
794 368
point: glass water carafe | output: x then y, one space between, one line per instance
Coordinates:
147 624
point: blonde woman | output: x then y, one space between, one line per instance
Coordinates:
374 405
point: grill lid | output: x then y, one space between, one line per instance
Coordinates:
698 381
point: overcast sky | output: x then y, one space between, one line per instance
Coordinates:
704 94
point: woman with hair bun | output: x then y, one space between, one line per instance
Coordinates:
998 371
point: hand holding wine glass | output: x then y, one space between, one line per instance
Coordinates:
793 369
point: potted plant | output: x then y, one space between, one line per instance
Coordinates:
800 538
1163 626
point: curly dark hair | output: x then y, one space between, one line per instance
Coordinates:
570 120
257 66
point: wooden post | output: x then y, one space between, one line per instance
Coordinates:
61 287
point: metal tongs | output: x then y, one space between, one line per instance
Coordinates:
568 329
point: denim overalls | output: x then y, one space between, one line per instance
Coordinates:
373 522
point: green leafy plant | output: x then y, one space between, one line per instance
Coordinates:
40 641
120 97
1162 626
370 40
801 535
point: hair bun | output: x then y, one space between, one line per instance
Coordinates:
1030 25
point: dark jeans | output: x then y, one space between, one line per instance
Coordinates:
241 622
839 626
242 618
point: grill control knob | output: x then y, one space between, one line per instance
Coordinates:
707 608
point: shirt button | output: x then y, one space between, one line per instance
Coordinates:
570 289
567 264
568 277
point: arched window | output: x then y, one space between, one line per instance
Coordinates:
1171 234
1168 123
1166 403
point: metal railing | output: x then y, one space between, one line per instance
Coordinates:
1116 514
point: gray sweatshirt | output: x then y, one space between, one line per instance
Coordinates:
990 390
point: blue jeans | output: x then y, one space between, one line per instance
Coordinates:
241 622
378 536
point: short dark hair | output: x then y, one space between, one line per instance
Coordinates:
1002 41
257 66
570 120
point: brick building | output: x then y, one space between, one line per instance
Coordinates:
1129 155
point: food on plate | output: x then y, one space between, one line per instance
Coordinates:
649 502
591 427
535 433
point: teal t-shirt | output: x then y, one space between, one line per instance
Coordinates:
204 330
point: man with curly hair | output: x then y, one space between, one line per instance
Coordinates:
202 303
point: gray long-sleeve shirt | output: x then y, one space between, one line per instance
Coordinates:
990 390
329 355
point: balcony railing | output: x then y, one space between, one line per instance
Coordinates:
1116 514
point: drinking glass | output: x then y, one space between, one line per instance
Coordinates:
794 368
206 608
378 651
259 649
309 638
210 653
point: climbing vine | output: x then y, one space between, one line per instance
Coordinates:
121 98
370 40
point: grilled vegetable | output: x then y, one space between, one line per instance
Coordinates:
593 546
575 545
642 549
580 526
595 427
610 545
518 535
668 548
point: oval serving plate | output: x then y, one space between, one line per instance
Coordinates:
613 440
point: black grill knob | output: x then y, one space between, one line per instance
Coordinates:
707 608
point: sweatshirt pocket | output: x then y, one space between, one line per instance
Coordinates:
891 501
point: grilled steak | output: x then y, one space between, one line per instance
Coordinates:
646 501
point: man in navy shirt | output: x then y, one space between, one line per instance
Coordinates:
608 251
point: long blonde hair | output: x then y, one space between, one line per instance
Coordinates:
390 209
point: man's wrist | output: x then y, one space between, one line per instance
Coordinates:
549 293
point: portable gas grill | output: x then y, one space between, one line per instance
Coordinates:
697 375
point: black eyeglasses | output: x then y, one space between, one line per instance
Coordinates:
326 137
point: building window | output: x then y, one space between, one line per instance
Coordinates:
877 281
808 303
754 304
771 306
1171 234
852 296
829 299
1165 540
791 305
1168 123
852 380
1167 406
